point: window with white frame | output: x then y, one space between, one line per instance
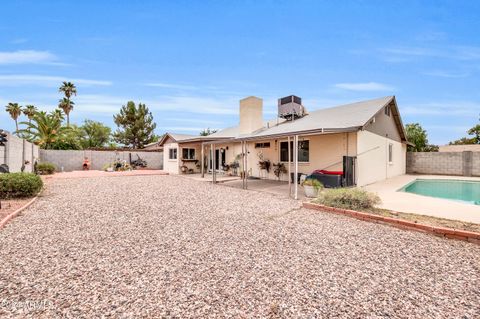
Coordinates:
390 153
303 151
172 153
188 153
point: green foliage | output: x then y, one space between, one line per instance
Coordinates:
66 104
70 139
14 185
95 134
45 168
313 182
15 111
135 126
349 198
418 136
207 132
45 129
475 131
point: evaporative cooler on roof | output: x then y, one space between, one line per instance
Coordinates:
290 107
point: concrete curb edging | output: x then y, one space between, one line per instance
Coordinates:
4 221
458 234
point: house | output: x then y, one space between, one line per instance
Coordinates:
370 133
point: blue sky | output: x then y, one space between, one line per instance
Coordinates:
191 61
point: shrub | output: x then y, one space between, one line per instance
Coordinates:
349 198
19 185
45 168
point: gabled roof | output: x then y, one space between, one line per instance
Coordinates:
343 118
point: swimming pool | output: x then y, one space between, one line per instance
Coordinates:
459 190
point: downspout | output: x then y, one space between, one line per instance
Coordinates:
295 160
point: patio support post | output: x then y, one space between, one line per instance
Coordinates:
243 164
246 165
295 160
289 169
202 161
212 148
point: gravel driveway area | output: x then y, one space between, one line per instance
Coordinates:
165 246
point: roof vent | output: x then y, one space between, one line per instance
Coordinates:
290 107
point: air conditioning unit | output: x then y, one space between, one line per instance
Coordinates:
290 107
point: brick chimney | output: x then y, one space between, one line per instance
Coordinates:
251 114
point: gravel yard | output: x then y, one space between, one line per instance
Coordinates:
164 246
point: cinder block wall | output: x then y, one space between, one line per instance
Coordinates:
11 154
73 160
444 163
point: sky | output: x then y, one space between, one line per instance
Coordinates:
191 62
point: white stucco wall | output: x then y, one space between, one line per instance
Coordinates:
170 166
372 158
326 152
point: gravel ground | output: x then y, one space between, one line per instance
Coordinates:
163 246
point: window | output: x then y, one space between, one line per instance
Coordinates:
390 153
303 151
262 145
188 153
387 110
172 153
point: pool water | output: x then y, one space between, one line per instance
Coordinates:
465 191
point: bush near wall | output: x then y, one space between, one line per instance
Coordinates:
45 168
349 198
15 185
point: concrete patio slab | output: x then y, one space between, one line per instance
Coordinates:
396 200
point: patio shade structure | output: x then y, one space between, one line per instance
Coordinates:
244 161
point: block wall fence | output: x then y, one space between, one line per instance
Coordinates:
69 160
444 163
17 150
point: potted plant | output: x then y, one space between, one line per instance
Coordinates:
311 186
279 169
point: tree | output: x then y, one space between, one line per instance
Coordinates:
416 135
207 132
66 105
45 129
68 89
95 134
15 111
135 125
475 131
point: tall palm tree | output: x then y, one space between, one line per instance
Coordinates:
15 111
67 106
29 111
68 89
45 129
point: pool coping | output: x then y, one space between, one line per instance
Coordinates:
451 233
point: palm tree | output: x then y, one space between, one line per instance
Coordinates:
58 113
45 129
29 111
15 111
67 106
68 89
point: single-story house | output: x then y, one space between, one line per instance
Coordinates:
369 134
